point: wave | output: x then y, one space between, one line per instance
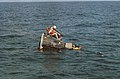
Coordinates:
12 48
12 35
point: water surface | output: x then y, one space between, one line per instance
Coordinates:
94 25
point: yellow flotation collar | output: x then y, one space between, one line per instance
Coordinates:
76 48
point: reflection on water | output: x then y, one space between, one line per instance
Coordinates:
51 61
51 64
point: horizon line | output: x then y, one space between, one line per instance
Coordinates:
65 1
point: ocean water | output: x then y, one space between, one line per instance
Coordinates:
93 25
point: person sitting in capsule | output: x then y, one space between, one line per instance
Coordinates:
53 32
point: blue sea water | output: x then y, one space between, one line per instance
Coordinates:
94 25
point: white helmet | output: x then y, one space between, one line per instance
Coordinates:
54 27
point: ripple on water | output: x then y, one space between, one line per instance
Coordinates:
11 35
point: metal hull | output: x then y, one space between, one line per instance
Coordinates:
48 42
